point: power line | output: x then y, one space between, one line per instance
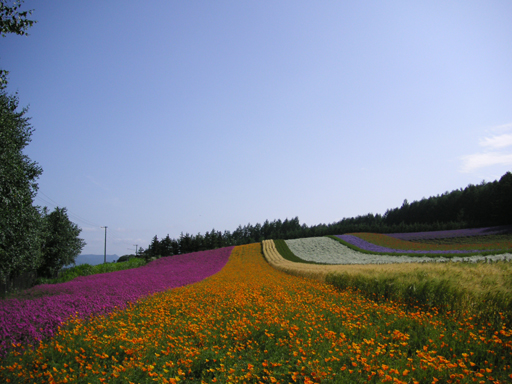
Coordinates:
78 218
70 213
48 197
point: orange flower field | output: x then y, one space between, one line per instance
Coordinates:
250 323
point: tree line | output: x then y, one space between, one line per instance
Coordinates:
484 205
33 241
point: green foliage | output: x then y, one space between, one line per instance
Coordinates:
487 204
444 293
112 267
20 221
29 239
86 270
61 242
287 229
425 292
124 258
12 21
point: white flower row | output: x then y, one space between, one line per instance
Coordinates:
329 251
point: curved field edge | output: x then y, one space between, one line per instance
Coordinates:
285 251
29 321
483 290
252 324
387 241
431 255
326 250
453 233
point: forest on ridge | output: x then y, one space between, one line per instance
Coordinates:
484 205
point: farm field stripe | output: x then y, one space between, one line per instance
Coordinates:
31 320
447 254
452 233
250 323
331 251
376 240
482 288
362 241
320 271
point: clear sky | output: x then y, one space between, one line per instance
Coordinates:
161 117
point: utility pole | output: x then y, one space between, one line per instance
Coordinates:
136 245
105 250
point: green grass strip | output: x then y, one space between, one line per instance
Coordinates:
87 269
430 291
287 254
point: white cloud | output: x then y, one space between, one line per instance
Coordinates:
481 160
502 128
490 156
500 141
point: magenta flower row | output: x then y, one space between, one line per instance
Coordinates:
26 321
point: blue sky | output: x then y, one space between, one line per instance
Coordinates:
163 117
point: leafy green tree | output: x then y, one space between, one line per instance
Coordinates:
20 221
12 21
20 239
61 242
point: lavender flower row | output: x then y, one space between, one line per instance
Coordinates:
453 233
363 244
23 321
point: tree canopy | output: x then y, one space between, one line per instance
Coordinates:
30 239
61 244
20 221
483 205
12 20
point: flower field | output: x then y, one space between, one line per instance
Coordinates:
250 323
394 243
328 251
29 320
482 289
469 232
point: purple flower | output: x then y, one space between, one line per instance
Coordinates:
453 233
363 244
23 321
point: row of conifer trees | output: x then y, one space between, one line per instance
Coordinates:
483 205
